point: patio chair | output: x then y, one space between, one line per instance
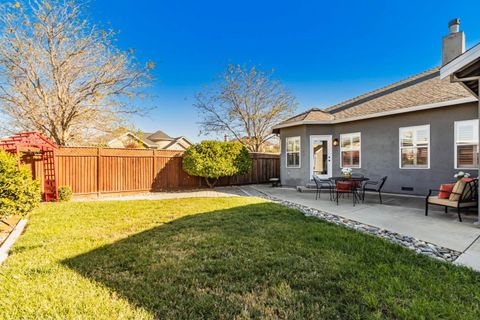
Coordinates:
345 187
323 184
463 196
375 186
359 176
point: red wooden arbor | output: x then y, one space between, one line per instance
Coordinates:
35 142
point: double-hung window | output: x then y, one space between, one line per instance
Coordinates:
350 150
466 144
415 147
293 152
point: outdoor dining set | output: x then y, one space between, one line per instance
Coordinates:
354 185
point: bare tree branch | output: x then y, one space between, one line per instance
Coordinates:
245 103
61 75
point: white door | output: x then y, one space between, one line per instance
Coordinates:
321 156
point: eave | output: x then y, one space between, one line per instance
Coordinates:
276 128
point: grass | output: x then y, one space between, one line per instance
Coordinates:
7 227
219 258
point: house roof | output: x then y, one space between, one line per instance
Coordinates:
465 69
312 114
151 139
158 135
423 89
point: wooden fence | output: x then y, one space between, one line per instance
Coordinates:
106 170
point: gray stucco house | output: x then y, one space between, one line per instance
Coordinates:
419 132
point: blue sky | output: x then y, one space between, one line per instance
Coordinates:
323 51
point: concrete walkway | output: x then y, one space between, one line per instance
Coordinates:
401 214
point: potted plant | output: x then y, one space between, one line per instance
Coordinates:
460 175
347 172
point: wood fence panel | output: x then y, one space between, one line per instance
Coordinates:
108 170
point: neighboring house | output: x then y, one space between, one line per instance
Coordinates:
419 132
158 140
270 146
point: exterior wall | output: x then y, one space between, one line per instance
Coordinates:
117 143
161 144
176 146
294 176
380 148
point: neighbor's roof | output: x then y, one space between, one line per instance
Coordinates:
422 90
158 135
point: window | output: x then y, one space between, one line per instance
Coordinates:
466 144
415 147
350 145
293 152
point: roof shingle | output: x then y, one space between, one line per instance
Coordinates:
421 89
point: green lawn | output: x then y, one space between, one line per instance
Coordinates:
219 258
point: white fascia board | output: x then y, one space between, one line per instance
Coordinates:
381 114
460 62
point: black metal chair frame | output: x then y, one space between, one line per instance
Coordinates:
323 184
378 187
464 198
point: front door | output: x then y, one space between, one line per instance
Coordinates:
321 156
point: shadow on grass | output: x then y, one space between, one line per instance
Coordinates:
267 261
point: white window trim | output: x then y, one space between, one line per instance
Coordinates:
400 147
359 150
299 153
455 144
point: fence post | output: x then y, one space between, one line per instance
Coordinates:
154 168
99 173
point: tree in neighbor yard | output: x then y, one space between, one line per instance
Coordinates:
61 75
245 104
214 159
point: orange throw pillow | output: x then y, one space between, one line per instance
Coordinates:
445 190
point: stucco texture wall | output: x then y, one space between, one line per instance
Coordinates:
380 148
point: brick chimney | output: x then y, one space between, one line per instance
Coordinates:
453 43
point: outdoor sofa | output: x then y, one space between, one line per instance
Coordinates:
463 196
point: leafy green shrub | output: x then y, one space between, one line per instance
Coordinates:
214 159
19 193
64 193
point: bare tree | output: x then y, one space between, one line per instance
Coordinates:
62 75
245 104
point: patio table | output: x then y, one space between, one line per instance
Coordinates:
357 179
356 183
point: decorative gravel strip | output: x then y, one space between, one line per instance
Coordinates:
422 247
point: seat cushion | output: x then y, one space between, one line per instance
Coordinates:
445 190
343 186
457 190
449 203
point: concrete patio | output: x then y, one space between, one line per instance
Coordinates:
401 214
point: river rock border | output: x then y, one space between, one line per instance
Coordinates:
419 246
